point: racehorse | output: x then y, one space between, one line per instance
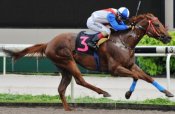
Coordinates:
116 55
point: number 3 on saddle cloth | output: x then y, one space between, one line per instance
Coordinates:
82 47
82 42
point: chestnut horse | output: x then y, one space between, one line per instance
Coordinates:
116 55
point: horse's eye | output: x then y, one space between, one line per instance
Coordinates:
156 25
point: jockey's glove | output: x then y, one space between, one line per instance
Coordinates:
130 27
132 24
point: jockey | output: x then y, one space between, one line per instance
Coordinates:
110 16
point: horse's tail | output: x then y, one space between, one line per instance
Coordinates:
38 48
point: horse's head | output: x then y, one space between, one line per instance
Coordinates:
152 27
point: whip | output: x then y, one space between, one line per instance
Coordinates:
138 7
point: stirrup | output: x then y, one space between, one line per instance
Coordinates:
92 45
101 41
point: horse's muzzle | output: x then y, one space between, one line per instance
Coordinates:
165 39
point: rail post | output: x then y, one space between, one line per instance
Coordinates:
13 68
37 64
4 65
168 69
72 90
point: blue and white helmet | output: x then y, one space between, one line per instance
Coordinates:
124 12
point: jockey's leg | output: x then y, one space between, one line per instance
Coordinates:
96 38
98 27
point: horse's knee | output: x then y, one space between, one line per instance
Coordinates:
136 77
148 79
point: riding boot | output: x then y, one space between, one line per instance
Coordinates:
93 42
97 37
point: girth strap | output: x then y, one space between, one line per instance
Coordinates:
97 61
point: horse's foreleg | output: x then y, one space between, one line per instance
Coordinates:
65 81
128 73
133 85
144 76
131 90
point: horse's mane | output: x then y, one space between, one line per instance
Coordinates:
137 18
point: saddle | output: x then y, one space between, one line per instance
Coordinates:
82 40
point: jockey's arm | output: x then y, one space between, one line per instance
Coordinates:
115 24
121 23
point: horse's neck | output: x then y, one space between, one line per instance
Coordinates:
131 38
135 39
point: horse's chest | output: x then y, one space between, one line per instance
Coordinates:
127 61
126 53
126 57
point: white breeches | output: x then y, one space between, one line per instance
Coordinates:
97 26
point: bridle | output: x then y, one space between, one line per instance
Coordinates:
150 26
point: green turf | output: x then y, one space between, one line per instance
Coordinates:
10 98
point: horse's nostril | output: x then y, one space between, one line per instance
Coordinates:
165 39
169 37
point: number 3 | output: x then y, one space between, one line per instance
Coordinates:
83 42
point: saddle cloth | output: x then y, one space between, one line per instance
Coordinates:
82 40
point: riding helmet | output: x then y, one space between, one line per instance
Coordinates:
124 12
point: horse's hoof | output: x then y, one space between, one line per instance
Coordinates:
128 94
168 94
106 94
69 109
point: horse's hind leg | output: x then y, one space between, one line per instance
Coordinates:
80 80
63 59
65 81
144 76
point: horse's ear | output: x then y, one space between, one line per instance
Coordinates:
132 19
150 15
136 19
166 28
